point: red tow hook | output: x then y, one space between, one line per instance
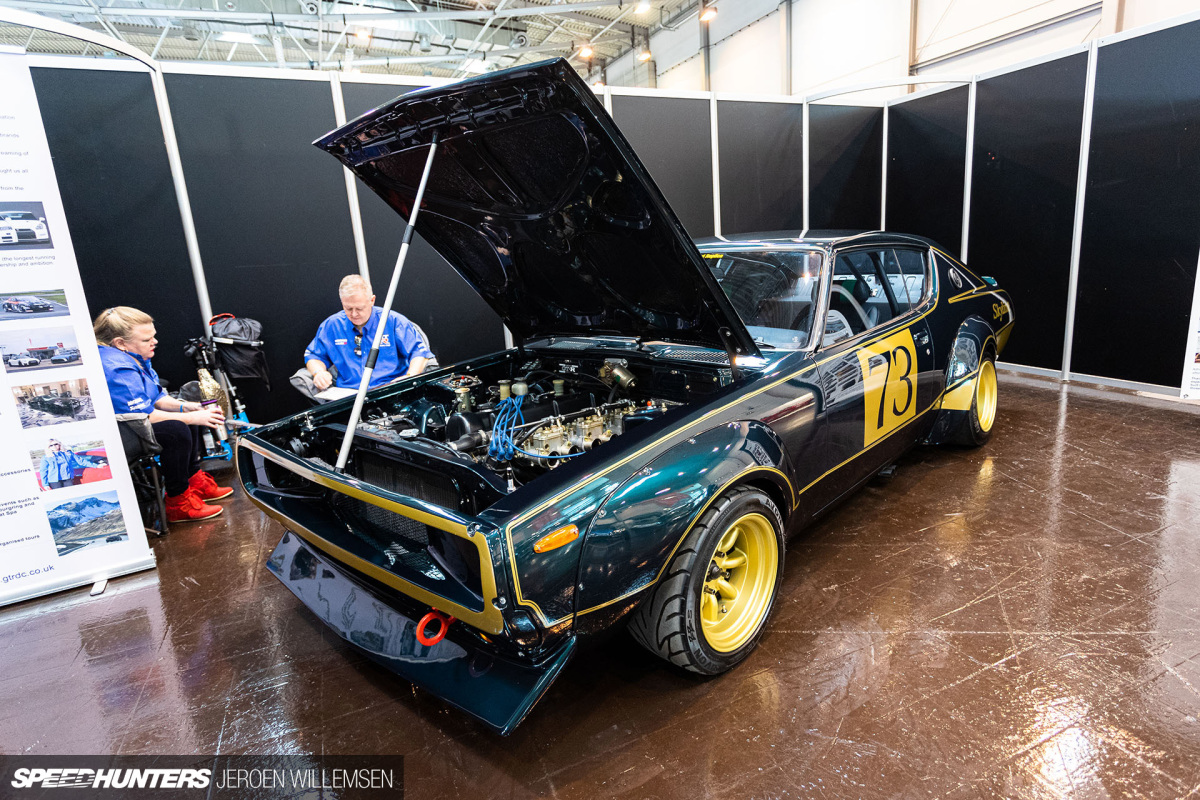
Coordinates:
443 620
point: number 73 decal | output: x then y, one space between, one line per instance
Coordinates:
889 372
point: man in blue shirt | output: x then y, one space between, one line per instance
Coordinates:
343 341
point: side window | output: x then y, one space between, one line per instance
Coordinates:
913 277
861 293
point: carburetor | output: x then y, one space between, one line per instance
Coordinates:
558 438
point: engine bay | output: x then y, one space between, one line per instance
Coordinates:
464 440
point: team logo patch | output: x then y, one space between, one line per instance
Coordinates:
384 341
340 342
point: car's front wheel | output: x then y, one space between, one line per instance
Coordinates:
710 607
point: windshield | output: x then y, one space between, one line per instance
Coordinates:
773 291
17 215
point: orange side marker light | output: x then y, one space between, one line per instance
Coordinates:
556 539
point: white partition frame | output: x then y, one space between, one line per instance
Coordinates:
157 69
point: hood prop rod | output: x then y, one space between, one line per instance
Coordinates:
356 414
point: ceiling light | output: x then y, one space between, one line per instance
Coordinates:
363 35
586 51
642 7
644 54
598 84
708 14
423 43
237 36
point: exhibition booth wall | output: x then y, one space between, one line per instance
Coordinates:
1094 258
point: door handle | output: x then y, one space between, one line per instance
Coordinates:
921 338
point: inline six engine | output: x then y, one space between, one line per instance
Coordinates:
463 439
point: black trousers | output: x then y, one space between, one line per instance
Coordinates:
180 457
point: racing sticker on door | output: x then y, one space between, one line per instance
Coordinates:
889 372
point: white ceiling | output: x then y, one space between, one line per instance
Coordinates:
440 38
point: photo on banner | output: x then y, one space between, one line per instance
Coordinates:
23 227
57 403
1189 386
68 515
48 303
70 461
26 349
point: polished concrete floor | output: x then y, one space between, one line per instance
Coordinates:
1021 620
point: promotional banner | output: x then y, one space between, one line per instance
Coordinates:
1190 387
68 515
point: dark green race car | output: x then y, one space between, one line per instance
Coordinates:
672 413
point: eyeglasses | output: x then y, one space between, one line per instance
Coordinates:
358 344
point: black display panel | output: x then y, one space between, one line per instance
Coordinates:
1026 167
430 293
761 147
1141 225
927 144
845 156
112 171
673 138
271 212
359 98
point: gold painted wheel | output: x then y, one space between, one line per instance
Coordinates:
985 396
740 583
732 558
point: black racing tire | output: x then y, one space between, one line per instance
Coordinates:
682 620
980 420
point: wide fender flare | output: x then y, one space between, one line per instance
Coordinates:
638 529
973 342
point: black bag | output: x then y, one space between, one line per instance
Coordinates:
244 358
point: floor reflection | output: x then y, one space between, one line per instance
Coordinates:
1020 621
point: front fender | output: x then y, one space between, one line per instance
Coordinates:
974 341
638 529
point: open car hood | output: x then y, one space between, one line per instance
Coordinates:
542 206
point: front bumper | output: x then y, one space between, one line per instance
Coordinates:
460 670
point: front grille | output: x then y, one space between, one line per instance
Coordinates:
385 527
401 541
410 548
436 560
408 480
26 236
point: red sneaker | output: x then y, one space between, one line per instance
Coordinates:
206 488
188 507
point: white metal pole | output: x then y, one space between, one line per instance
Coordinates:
181 195
884 174
352 423
1085 144
716 163
356 226
969 171
805 155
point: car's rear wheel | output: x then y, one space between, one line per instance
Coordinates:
981 417
710 608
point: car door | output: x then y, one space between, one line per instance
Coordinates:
875 364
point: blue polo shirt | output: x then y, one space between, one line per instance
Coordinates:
334 345
132 382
